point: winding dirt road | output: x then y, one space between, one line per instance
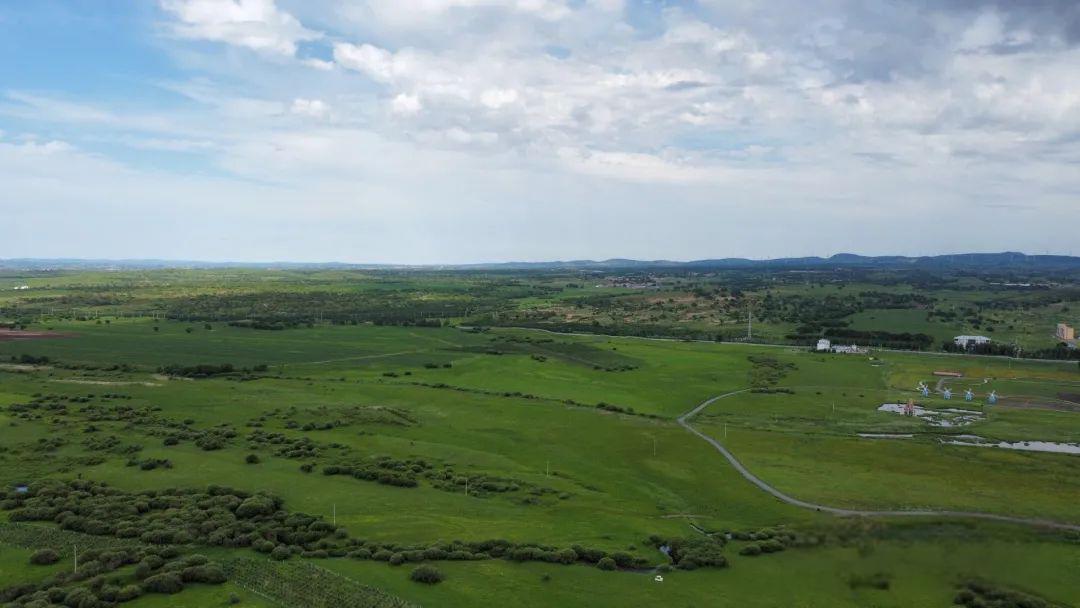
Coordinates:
757 481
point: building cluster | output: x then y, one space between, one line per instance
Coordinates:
824 345
970 341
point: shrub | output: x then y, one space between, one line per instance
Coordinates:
207 573
128 593
252 459
81 597
281 553
382 555
606 564
566 556
751 550
429 575
168 582
397 559
255 506
44 557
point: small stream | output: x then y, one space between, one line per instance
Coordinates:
1027 446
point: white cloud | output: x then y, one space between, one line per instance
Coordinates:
312 108
665 126
255 24
377 63
405 104
497 98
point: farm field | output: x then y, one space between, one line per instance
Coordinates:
524 466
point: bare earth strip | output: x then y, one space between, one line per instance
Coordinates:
757 481
18 334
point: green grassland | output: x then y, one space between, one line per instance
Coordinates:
575 436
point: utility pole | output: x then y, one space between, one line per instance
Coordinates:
548 469
654 445
75 548
335 513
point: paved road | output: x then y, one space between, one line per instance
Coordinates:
757 481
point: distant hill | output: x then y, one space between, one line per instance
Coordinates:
1008 259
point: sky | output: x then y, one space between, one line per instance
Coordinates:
457 131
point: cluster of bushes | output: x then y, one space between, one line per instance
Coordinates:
619 368
766 540
772 390
385 471
222 516
218 516
693 553
407 473
766 371
981 594
903 340
47 445
202 370
214 439
26 359
285 446
108 444
492 549
208 370
279 310
518 394
95 584
265 325
608 407
150 464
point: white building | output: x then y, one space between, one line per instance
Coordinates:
823 344
850 350
969 341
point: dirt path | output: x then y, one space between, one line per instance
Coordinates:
757 481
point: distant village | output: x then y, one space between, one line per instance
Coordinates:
1064 332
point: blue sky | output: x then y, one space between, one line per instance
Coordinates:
445 131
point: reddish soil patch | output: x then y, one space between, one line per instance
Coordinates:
18 334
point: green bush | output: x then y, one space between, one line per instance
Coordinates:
168 582
128 593
750 550
606 564
429 575
44 557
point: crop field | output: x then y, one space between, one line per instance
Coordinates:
208 458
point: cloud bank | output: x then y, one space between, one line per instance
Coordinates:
473 130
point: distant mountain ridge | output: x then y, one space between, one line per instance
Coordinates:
1007 259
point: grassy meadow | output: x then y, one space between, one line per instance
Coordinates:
547 441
